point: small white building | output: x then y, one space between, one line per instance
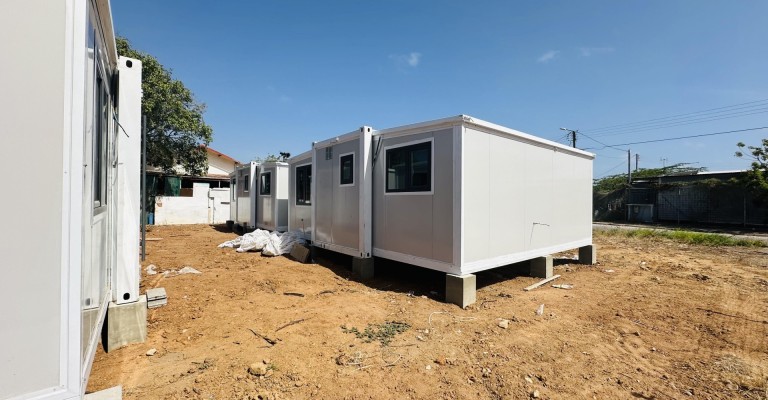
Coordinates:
197 199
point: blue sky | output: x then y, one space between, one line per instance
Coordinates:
277 75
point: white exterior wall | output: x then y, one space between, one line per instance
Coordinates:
245 200
299 216
272 208
206 206
521 199
219 166
342 214
31 74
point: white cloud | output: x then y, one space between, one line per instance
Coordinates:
588 51
548 56
412 60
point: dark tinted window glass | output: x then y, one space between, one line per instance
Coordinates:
265 187
409 168
347 169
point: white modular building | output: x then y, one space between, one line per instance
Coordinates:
69 100
462 195
300 194
244 196
272 197
341 188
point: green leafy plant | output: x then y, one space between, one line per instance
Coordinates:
382 333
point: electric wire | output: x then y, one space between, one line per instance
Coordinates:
688 137
617 166
707 111
680 123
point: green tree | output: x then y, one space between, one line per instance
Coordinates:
176 131
757 177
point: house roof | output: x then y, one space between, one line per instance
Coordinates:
216 153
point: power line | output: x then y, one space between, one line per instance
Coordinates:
680 123
604 145
617 166
677 115
688 137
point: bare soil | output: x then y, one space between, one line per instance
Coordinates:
671 321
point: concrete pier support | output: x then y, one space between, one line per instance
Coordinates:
126 324
588 255
460 289
363 267
542 267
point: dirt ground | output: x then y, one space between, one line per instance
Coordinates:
653 320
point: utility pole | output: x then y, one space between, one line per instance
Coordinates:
572 134
629 167
637 161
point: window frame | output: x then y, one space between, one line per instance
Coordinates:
408 190
341 169
246 183
308 189
261 183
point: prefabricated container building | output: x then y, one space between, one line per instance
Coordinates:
246 176
68 99
300 194
341 186
272 198
461 195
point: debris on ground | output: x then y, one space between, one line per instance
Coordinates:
183 271
565 286
504 323
269 243
151 269
540 310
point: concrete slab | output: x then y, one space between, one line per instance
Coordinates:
300 253
460 289
363 267
125 324
113 393
542 267
156 294
588 255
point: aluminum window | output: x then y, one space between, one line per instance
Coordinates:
247 183
409 168
304 185
265 185
347 169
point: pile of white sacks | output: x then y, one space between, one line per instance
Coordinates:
269 243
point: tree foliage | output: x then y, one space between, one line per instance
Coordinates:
176 131
757 177
618 181
271 157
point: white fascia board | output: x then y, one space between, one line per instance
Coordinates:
486 126
303 156
341 138
420 127
104 9
275 164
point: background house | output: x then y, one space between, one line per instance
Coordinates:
190 199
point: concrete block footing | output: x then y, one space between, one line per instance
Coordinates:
460 289
113 393
126 324
542 267
363 267
588 255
